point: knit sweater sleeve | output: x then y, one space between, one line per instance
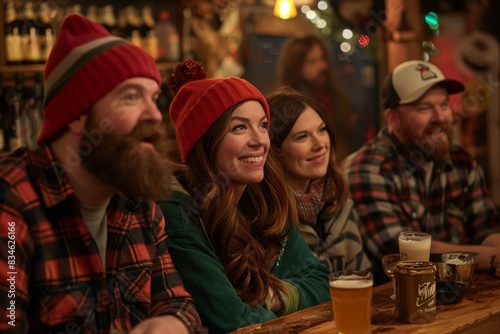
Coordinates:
218 304
298 266
342 247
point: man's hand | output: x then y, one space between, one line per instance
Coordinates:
489 252
493 241
167 324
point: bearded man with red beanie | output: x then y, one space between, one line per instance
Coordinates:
83 247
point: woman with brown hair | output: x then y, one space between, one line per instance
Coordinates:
228 220
306 144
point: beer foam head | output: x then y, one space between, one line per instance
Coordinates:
416 244
455 261
414 236
351 283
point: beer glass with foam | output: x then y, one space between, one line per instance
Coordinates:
352 293
414 245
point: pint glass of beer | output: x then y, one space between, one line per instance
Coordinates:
351 293
415 246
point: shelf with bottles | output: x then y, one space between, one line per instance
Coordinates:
30 29
21 73
12 69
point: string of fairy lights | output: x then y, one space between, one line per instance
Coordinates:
324 18
349 40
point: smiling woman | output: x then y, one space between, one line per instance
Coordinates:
301 133
243 149
226 223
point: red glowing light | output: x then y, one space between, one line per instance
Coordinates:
364 40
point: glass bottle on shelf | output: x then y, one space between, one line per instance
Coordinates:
92 14
13 44
75 9
186 34
108 20
30 36
47 37
168 39
122 24
56 14
133 26
150 41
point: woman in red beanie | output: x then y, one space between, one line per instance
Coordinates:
230 235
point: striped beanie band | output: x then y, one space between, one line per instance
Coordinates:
85 64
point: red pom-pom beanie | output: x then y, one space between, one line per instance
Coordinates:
199 101
85 64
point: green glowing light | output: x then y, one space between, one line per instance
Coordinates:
432 20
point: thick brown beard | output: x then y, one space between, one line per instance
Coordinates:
122 163
443 146
432 149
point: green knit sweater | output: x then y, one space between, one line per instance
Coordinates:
219 306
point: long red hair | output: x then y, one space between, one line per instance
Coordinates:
246 234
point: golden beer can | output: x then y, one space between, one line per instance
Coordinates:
415 292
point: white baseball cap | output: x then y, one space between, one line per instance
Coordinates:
410 80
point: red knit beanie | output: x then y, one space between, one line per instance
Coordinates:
85 64
199 101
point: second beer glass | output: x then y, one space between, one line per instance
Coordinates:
414 246
352 293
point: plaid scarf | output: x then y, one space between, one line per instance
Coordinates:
310 203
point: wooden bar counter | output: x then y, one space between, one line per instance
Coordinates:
478 313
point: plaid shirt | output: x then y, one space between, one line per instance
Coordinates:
390 195
54 277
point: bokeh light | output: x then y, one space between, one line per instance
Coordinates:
345 47
311 15
322 5
321 24
363 40
347 33
432 20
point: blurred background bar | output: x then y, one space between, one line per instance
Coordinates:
365 38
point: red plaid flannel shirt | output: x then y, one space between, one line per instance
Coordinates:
54 273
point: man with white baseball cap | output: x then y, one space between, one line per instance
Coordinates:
410 80
412 177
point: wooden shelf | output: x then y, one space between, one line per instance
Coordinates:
22 68
40 67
